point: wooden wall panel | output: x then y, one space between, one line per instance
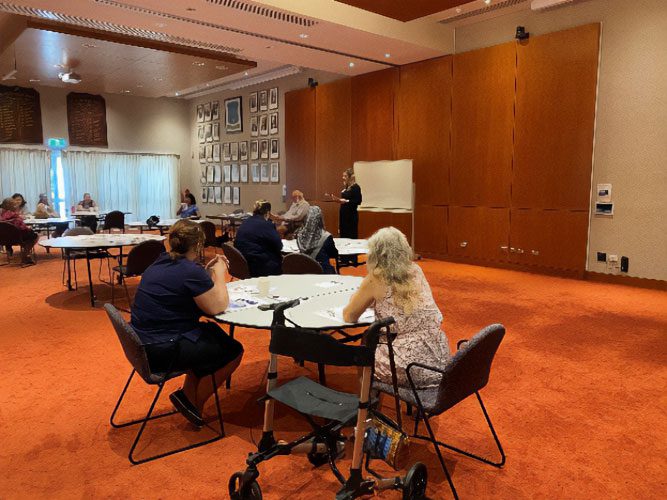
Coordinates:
480 233
330 216
373 131
549 238
300 141
431 229
555 114
482 126
333 139
424 122
369 222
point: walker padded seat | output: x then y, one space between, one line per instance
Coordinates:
308 397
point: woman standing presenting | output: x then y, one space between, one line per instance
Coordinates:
350 199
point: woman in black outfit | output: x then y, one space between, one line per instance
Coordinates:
350 199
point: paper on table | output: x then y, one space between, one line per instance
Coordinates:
328 284
241 302
336 313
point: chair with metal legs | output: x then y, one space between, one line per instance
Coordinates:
135 352
138 260
464 375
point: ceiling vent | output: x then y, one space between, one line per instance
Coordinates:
243 82
113 28
483 9
264 11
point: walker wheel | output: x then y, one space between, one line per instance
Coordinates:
318 459
252 491
414 487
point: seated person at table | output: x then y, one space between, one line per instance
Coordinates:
10 213
259 242
395 286
88 205
291 220
174 292
23 205
189 207
45 210
314 241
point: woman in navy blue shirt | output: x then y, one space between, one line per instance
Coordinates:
174 293
259 242
190 209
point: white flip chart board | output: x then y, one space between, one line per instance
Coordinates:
385 184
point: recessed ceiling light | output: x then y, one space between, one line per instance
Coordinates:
208 84
89 45
487 2
387 55
126 91
198 63
458 10
139 85
221 67
245 73
177 94
33 80
303 35
351 65
158 79
160 25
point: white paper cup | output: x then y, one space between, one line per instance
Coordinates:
263 286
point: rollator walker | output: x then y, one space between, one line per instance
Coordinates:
338 409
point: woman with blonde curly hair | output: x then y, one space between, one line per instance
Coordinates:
396 286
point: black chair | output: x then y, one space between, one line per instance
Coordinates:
464 375
114 220
211 239
135 352
238 265
11 236
70 257
298 263
336 409
138 260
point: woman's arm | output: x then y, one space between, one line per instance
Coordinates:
360 301
180 209
215 300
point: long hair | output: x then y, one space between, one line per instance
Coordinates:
184 236
390 259
351 179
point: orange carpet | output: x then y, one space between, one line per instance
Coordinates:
577 394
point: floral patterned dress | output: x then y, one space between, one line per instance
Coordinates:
419 337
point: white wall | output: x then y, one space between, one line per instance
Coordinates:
631 126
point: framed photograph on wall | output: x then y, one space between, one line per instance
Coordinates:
208 132
200 113
233 115
275 149
226 156
264 149
228 195
244 172
235 172
228 173
204 195
202 153
275 172
254 126
234 150
273 98
210 174
264 176
253 102
218 194
211 194
201 137
255 172
263 101
216 152
209 152
273 123
243 150
264 125
217 177
216 132
202 174
215 110
236 195
254 150
207 112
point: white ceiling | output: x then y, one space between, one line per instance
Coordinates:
320 34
